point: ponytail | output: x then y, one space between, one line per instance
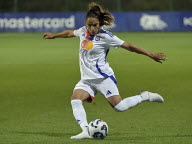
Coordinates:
96 11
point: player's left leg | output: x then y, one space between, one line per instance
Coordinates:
109 89
122 105
129 102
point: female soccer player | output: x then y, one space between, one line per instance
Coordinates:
96 74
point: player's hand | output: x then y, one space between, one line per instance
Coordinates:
158 57
48 36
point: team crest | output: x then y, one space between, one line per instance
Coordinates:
97 38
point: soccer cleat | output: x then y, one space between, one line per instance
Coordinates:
152 97
82 135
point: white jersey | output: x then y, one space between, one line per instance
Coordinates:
93 52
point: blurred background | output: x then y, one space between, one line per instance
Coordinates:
130 15
81 5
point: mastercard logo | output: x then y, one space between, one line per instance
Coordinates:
87 44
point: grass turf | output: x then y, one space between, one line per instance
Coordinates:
37 78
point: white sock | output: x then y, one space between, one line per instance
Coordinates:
128 103
79 114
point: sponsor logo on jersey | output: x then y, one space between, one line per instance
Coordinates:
88 45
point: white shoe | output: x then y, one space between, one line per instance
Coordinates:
152 97
82 135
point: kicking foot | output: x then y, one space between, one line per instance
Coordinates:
82 135
153 97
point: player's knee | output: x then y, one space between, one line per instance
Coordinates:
76 102
120 107
75 97
80 95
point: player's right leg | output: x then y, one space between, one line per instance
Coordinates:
83 91
79 113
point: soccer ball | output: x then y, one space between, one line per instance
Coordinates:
98 129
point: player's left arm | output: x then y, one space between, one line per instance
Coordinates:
158 57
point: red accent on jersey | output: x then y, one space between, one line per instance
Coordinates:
88 35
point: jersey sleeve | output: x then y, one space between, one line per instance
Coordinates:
115 42
77 32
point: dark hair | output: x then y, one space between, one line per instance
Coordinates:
96 11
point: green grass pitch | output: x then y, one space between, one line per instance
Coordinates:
37 78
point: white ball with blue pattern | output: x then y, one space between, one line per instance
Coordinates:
98 129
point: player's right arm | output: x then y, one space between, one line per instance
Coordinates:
64 34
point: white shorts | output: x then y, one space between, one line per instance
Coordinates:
106 86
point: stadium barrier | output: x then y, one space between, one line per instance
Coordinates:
124 21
